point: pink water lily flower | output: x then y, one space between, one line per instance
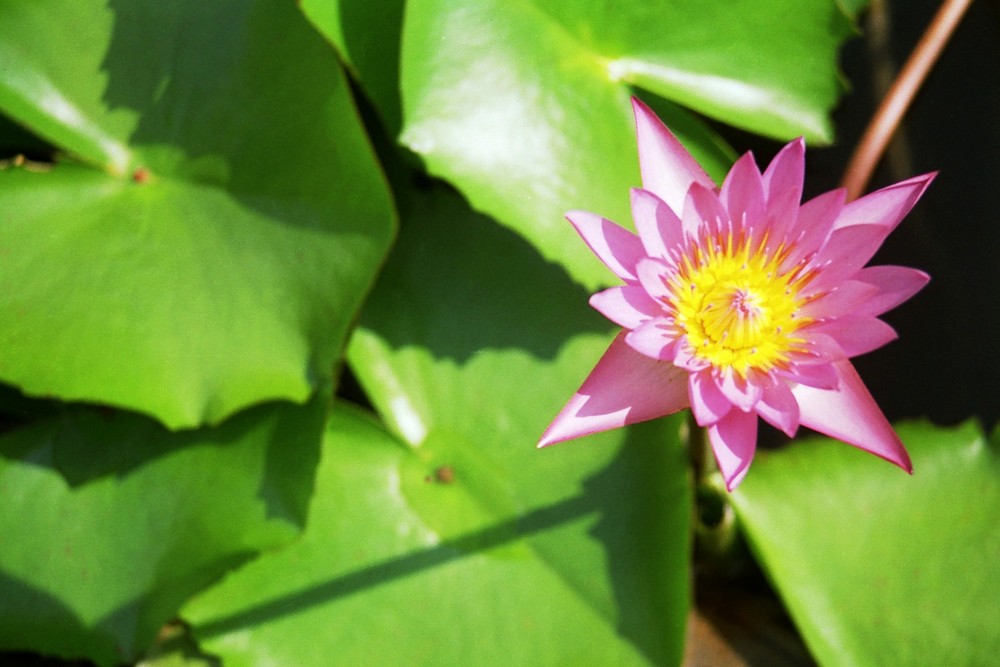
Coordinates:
742 302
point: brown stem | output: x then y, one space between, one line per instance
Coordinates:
897 100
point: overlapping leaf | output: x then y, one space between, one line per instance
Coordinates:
878 567
231 217
405 564
367 36
110 522
575 554
524 105
468 348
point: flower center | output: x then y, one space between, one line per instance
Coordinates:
736 309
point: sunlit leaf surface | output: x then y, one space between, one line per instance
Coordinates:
878 567
524 105
458 526
215 247
409 553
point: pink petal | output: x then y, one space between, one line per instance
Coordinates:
703 212
652 275
849 413
625 387
617 247
743 393
627 306
895 284
858 334
654 338
743 194
734 439
658 226
885 207
685 357
708 404
812 226
668 170
845 252
819 376
847 297
778 407
783 187
819 348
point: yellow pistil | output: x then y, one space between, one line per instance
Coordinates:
735 307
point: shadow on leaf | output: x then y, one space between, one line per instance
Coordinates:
457 282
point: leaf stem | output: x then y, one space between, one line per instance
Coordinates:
699 449
897 100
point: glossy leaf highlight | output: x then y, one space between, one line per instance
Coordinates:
524 105
215 249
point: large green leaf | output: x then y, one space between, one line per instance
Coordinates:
877 567
468 348
110 522
405 564
216 249
524 105
466 545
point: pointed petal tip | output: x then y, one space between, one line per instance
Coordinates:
618 248
897 457
566 426
666 166
644 116
900 457
625 387
580 218
734 441
887 206
791 158
895 285
638 106
796 151
850 414
563 429
735 480
547 438
637 194
546 441
921 182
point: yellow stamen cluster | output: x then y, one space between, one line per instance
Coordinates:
735 307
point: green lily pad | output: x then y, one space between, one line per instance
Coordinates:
405 563
469 346
524 105
217 245
457 541
111 522
875 566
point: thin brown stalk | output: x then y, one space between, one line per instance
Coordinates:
897 100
